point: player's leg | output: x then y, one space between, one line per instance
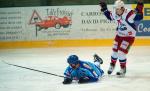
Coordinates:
98 61
114 58
123 51
122 60
114 55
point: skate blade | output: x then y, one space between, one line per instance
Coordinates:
121 76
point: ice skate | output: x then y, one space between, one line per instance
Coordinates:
111 68
97 59
122 72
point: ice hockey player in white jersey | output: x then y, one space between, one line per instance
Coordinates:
125 31
83 71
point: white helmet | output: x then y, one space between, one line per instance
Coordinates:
119 4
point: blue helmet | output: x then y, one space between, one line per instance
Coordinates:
73 59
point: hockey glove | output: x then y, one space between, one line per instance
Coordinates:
87 79
139 7
67 81
83 80
139 11
103 5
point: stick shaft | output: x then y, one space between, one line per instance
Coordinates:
33 69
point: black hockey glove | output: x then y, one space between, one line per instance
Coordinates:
67 81
103 5
84 80
87 79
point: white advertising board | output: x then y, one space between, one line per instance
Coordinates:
55 22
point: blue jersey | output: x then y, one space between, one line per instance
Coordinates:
85 70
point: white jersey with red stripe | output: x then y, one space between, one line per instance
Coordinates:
126 25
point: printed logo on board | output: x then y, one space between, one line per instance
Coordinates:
55 19
35 18
144 28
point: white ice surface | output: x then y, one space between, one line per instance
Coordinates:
54 60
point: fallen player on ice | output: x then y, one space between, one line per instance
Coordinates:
83 71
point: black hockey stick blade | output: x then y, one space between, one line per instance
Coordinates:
32 69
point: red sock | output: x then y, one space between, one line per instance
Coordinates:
122 63
113 60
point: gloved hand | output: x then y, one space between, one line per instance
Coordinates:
83 80
103 5
67 81
87 79
140 1
139 7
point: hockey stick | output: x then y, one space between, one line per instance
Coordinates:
32 69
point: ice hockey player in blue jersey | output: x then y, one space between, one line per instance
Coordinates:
83 71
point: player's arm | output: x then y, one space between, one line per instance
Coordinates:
87 76
67 74
105 10
139 10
